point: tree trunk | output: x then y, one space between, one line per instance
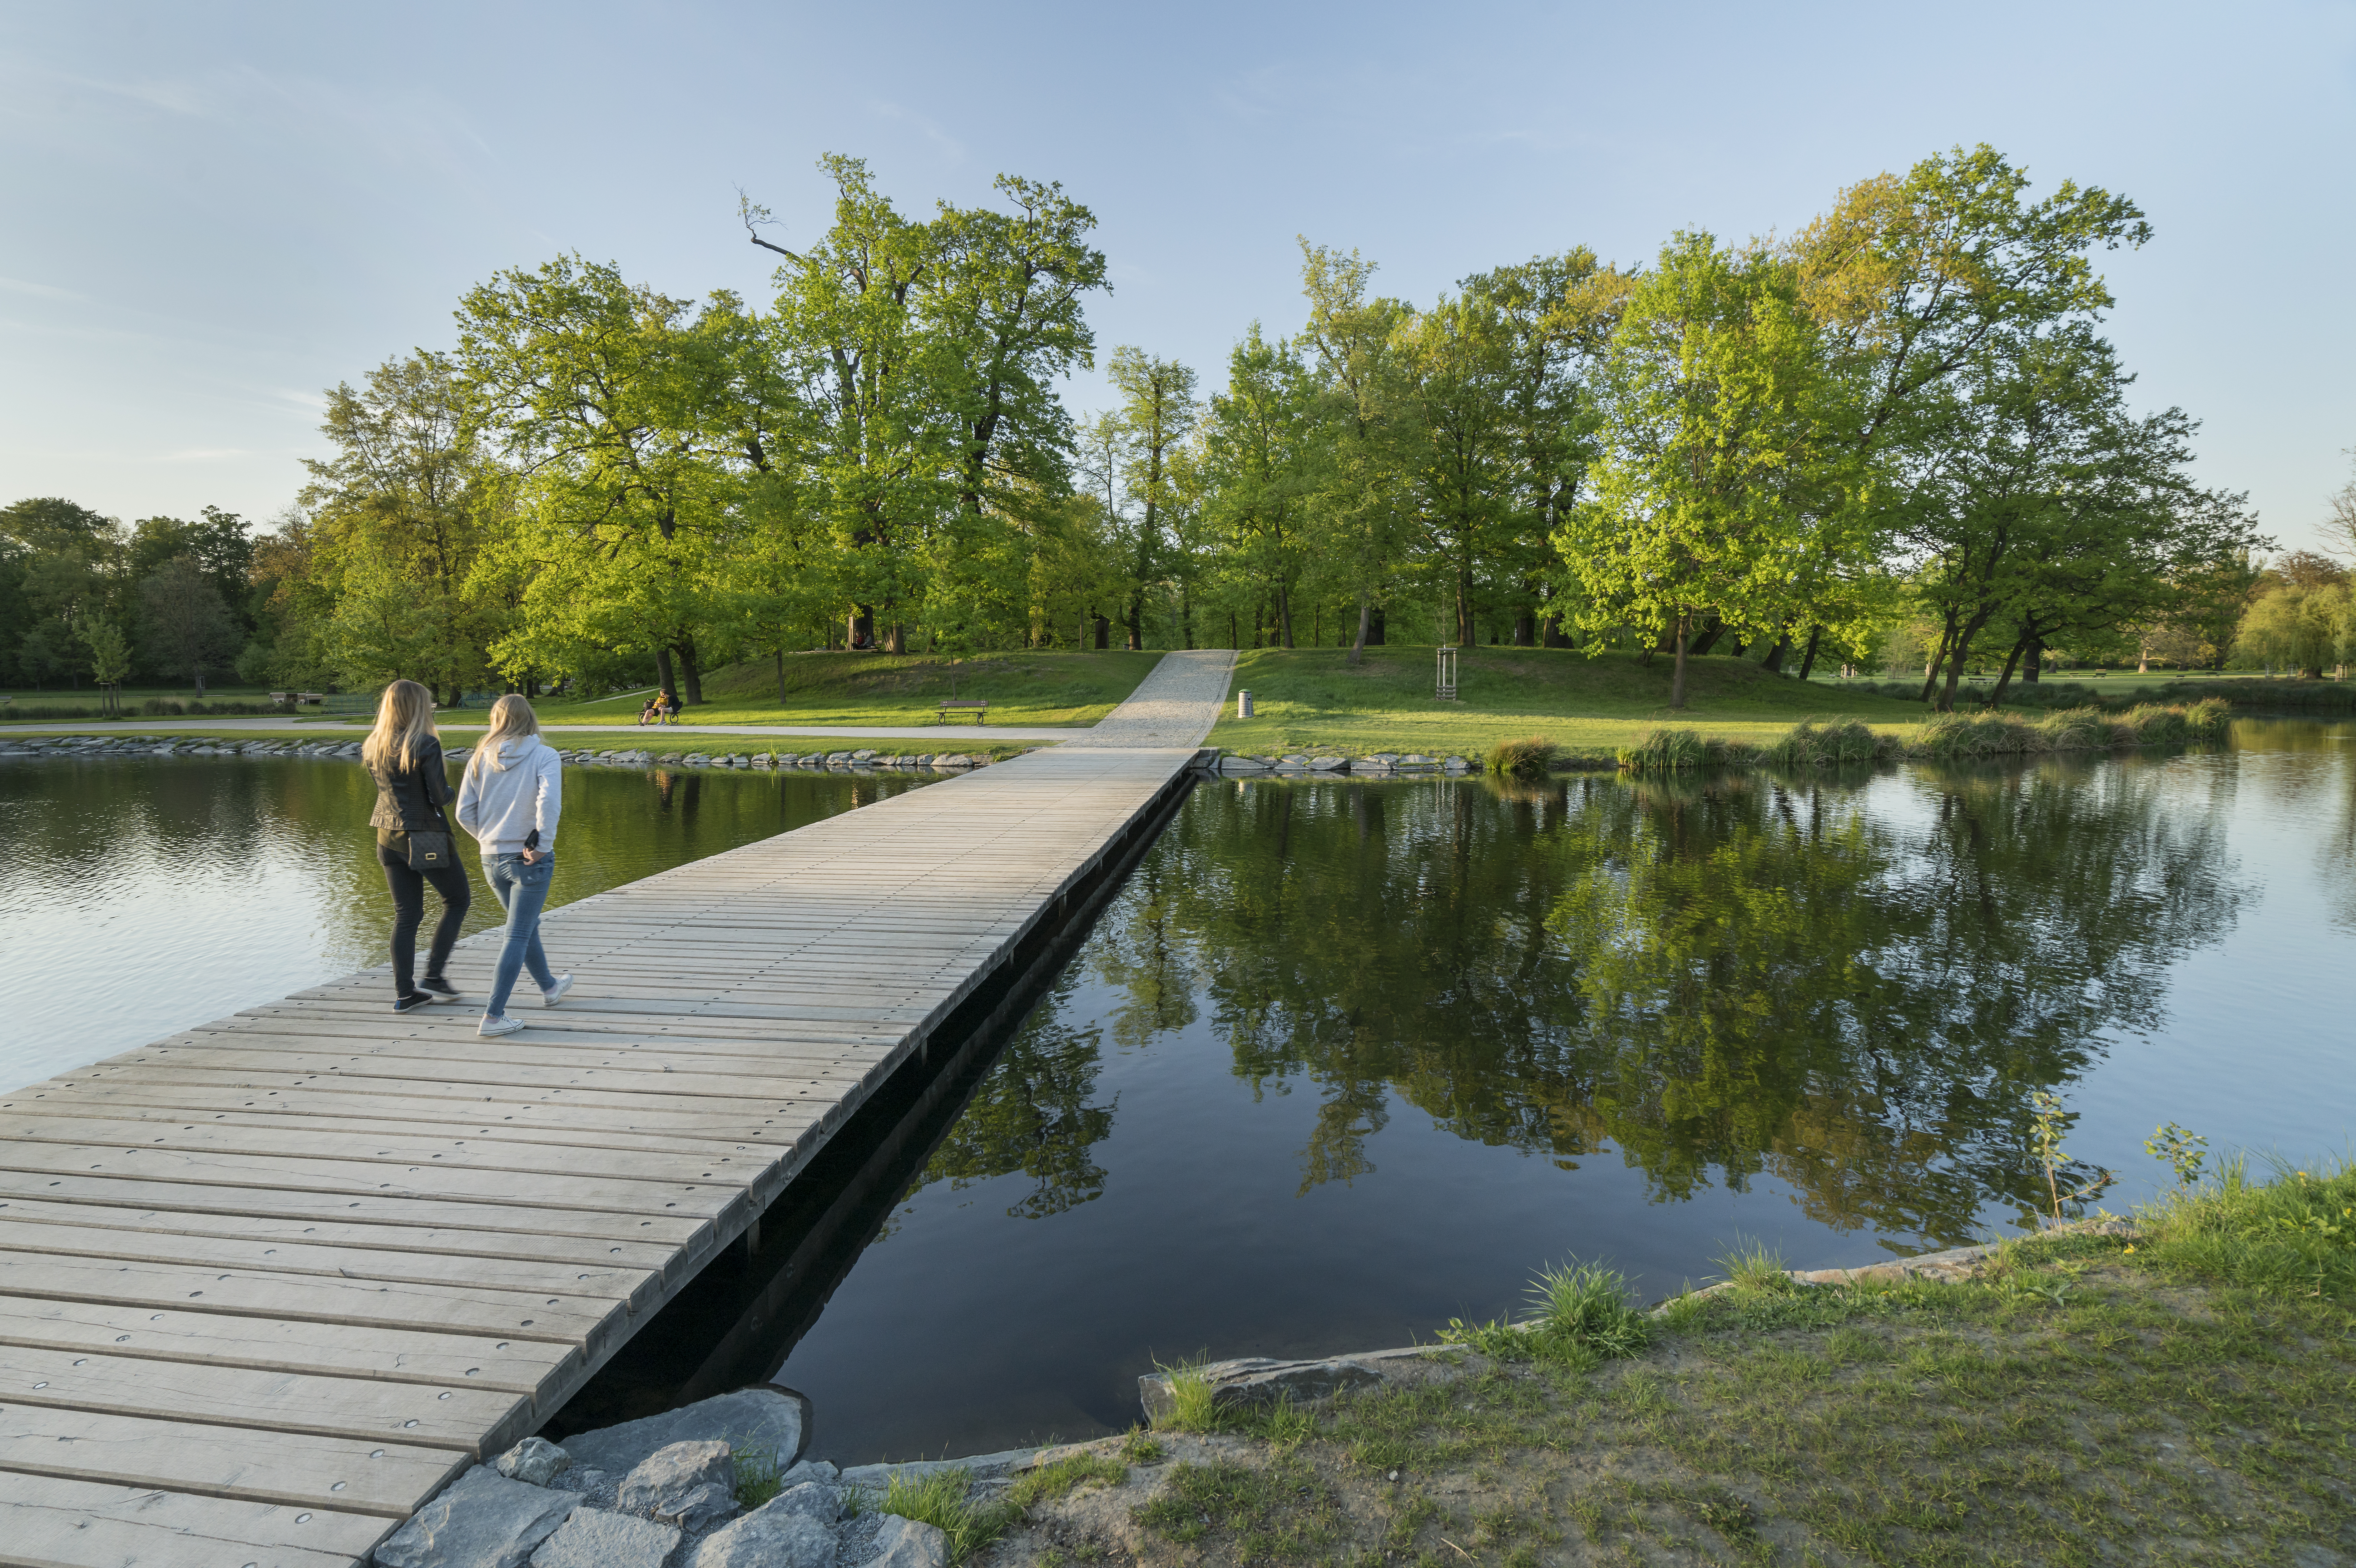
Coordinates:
693 670
2030 661
1104 633
2004 681
781 675
860 631
1365 620
1677 679
1808 661
896 642
1284 614
1774 663
1466 634
1375 629
1234 636
664 681
1715 629
1525 629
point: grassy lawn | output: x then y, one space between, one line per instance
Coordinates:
1049 688
1311 700
2183 1397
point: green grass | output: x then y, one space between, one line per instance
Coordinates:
1042 689
946 1500
2187 1396
1310 702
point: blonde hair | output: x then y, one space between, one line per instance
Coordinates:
404 721
510 715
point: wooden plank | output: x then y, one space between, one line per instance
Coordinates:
356 1303
455 1417
495 1247
363 1115
49 1522
689 1232
404 1149
264 1086
409 1355
350 1177
593 1282
353 1475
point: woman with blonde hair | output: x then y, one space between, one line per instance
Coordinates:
413 842
510 798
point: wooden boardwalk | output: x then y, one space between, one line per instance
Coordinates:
265 1286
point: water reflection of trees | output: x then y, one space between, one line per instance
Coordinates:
1715 980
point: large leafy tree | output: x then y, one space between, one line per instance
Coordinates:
399 518
1722 479
616 406
1267 446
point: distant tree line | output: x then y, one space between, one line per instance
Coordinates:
1897 439
86 600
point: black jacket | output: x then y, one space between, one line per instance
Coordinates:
410 800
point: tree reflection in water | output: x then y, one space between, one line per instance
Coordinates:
1853 984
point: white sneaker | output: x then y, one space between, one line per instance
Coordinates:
551 995
502 1025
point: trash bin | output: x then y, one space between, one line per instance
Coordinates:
1242 705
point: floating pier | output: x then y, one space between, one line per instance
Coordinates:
269 1284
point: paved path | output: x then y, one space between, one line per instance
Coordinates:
268 1284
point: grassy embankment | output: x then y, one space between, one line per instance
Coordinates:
2182 1395
1031 689
1312 701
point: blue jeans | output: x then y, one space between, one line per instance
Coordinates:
522 887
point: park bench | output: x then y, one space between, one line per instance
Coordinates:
311 696
973 702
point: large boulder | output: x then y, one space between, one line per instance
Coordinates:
908 1543
593 1537
768 1537
483 1520
765 1418
692 1485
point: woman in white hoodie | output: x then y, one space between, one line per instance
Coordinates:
509 799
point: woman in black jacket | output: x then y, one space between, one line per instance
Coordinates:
412 838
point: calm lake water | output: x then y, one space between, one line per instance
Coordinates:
1340 1061
139 896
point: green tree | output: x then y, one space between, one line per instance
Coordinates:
2300 627
1157 414
1266 444
1363 517
401 516
616 406
1722 480
189 626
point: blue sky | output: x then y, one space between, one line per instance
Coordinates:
212 213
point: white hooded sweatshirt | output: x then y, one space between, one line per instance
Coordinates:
500 806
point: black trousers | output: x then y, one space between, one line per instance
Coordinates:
409 909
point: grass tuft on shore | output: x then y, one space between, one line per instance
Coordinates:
1532 757
946 1500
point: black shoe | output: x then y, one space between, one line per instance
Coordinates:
413 1001
439 988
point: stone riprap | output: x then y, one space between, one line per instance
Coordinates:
593 1537
1382 764
482 1521
535 1461
771 1419
690 1485
906 1543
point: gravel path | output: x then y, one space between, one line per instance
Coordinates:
1175 705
